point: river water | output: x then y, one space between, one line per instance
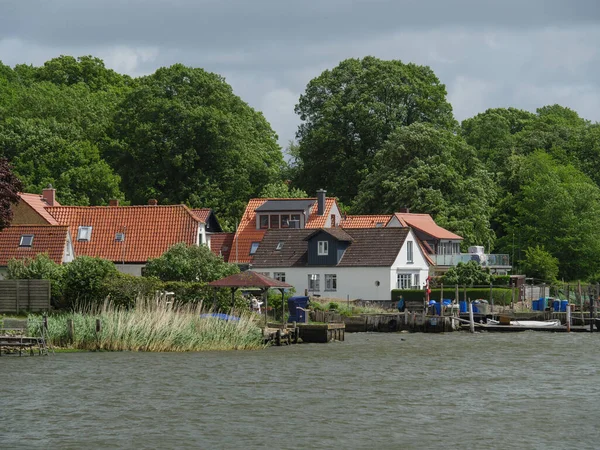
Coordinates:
523 390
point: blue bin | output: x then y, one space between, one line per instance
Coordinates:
297 315
542 304
564 304
535 305
475 309
556 305
462 305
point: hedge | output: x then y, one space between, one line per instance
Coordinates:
502 296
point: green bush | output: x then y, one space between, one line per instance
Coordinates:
501 280
84 280
502 296
124 289
40 267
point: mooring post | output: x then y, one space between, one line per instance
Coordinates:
568 318
70 331
471 318
491 299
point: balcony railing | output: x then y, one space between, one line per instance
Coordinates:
490 260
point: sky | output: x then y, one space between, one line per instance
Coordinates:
488 53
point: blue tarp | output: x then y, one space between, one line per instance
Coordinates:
221 316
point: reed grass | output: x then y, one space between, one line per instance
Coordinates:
154 327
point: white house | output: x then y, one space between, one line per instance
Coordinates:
344 264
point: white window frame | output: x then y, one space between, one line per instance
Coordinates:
254 247
403 281
279 276
84 233
314 282
26 240
330 282
416 281
409 252
323 248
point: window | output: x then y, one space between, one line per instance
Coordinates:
264 221
254 247
275 221
313 282
416 281
330 282
295 221
285 221
323 249
404 280
409 252
279 276
120 237
333 220
84 234
279 245
379 225
26 240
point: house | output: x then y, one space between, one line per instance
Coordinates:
264 214
31 209
131 235
334 262
26 241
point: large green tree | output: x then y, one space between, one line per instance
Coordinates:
433 171
10 186
185 137
348 113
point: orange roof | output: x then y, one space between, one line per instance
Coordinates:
426 224
50 239
202 214
149 230
220 244
365 221
247 233
39 205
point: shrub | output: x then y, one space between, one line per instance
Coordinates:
84 280
540 264
40 267
124 289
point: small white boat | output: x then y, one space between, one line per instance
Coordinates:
529 323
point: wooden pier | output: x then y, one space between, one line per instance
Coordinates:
276 334
14 338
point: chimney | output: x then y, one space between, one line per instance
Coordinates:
113 202
153 202
404 210
321 202
49 195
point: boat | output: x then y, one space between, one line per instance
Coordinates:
529 323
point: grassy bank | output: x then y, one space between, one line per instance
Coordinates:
152 327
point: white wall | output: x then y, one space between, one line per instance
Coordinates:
131 269
68 253
355 282
418 266
338 217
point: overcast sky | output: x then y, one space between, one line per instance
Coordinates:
488 53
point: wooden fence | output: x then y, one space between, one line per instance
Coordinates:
24 295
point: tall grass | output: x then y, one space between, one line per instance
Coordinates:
154 327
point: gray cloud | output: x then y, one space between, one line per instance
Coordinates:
488 53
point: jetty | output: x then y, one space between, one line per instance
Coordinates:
14 337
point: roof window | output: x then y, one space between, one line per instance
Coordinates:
254 247
84 233
379 225
279 245
120 237
26 240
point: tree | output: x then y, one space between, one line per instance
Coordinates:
10 186
431 171
84 279
540 264
469 274
281 190
191 140
349 112
194 263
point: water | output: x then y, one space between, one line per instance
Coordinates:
522 390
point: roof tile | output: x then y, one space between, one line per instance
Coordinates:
39 205
426 224
50 239
369 221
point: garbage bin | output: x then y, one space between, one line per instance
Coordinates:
297 306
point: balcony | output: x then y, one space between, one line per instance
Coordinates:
489 260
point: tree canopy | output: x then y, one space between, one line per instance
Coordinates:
10 186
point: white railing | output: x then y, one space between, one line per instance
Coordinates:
488 260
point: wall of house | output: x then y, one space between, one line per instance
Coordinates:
131 269
314 259
366 283
338 217
418 266
23 214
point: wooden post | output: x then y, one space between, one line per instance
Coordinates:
70 331
405 316
278 338
266 301
568 317
45 323
471 318
491 300
98 326
592 301
580 302
512 299
282 307
442 298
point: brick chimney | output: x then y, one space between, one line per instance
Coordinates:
321 202
49 195
153 202
404 210
113 202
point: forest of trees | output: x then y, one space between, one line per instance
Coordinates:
379 135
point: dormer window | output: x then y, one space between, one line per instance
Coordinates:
279 245
26 240
323 248
264 221
274 221
254 247
84 233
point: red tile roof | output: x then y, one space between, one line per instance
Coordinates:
366 221
50 239
149 230
39 205
426 224
221 243
202 214
247 233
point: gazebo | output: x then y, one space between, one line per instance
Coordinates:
250 279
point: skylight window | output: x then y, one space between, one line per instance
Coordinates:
279 245
26 240
120 237
379 225
254 247
84 234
